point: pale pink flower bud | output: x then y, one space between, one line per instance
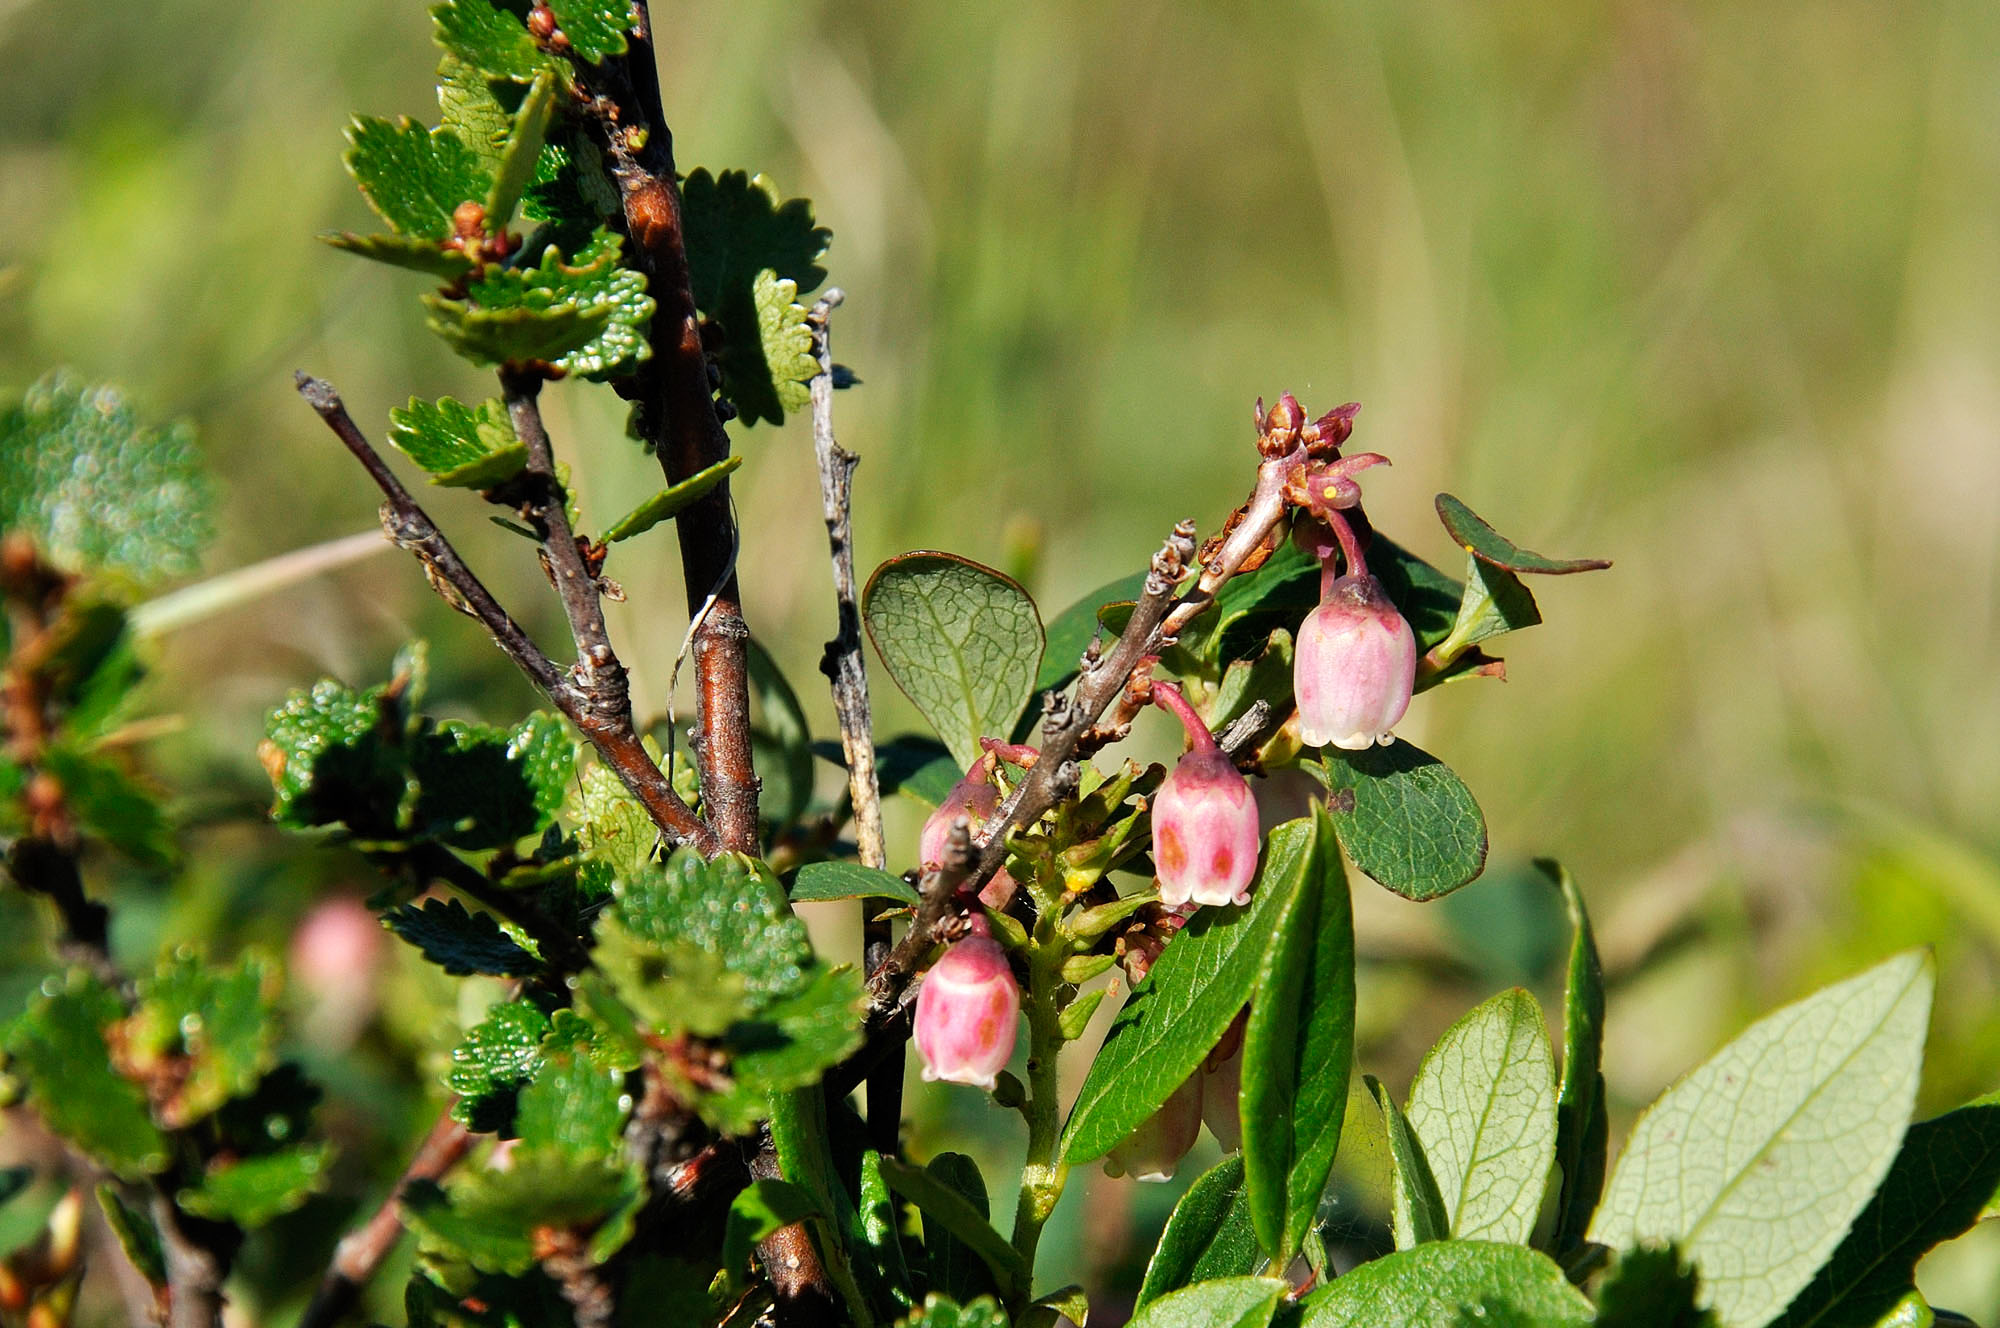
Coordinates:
1152 1151
1355 666
976 799
1204 820
967 1012
1222 1087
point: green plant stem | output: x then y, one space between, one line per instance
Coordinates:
1044 1174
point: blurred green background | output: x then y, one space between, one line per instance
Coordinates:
1711 289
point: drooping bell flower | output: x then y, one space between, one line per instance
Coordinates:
967 1012
1205 837
1221 1077
1154 1150
1354 666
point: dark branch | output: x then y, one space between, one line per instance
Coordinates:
362 1251
410 527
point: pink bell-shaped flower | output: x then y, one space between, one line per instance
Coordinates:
1152 1151
967 1012
1222 1087
976 799
1205 839
1354 667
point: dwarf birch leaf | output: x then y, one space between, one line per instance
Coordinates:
1298 1047
1757 1162
1489 545
1406 819
574 1107
767 376
254 1191
595 28
460 942
1483 1105
671 501
414 252
1946 1171
495 1061
57 1048
1450 1284
1582 1125
819 881
1228 1302
944 1312
1209 1236
1416 1210
1177 1014
463 446
483 37
963 642
414 177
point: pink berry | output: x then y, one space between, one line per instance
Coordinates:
1355 666
967 1012
1205 839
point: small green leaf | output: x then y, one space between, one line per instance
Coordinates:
788 1044
488 1217
953 1266
483 37
334 758
414 177
417 253
1450 1284
1298 1048
742 246
944 1312
963 642
1416 1208
254 1191
494 1063
460 942
213 1024
574 1107
730 906
1943 1176
1490 546
754 1215
1209 1236
1228 1302
595 28
1177 1014
1076 1015
1582 1124
481 787
1483 1105
136 1235
817 882
97 489
1406 819
585 315
938 1201
1758 1162
671 501
1651 1287
673 988
57 1048
1495 603
612 827
518 334
112 804
469 447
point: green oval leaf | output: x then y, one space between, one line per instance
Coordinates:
1483 1106
1448 1283
1582 1125
1406 819
1415 1208
670 501
963 642
1209 1235
1298 1048
1181 1010
1489 545
1758 1162
820 881
1229 1302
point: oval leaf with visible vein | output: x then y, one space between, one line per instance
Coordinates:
1448 1283
1298 1047
1407 821
1208 1236
1489 545
1229 1302
961 640
1758 1162
1414 1205
1181 1010
1483 1105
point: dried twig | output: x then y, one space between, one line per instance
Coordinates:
361 1252
194 1272
938 891
596 716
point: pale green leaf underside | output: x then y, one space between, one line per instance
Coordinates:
1229 1302
1447 1284
1483 1105
1758 1161
961 640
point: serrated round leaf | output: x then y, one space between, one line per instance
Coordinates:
1178 1013
456 444
413 176
730 906
595 28
1489 545
1209 1235
253 1191
489 40
57 1047
1406 819
1757 1163
962 640
1483 1107
944 1312
1228 1302
1447 1284
575 1106
458 941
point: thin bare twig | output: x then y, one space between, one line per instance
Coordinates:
938 893
194 1272
597 718
362 1251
